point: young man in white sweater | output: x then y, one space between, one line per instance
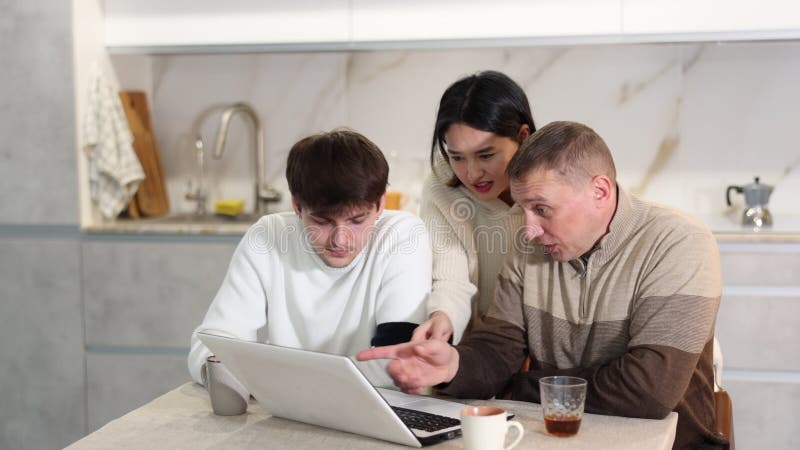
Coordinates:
336 275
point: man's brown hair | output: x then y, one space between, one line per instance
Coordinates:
572 149
330 172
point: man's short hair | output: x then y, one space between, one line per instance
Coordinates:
333 171
572 149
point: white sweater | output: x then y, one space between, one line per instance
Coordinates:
470 239
276 280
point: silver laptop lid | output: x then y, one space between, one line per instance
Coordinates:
315 388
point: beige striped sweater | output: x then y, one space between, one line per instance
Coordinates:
637 321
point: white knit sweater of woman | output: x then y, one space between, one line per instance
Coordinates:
279 288
470 239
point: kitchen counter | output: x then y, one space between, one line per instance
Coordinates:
729 229
177 224
147 227
726 229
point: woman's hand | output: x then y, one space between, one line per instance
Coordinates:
416 366
438 327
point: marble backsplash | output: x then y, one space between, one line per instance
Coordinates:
683 121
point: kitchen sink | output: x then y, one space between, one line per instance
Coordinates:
207 219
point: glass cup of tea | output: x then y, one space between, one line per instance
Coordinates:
562 404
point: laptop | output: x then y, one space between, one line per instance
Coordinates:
329 391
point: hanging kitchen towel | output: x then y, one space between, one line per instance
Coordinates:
114 170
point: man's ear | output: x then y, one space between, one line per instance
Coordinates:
296 206
601 189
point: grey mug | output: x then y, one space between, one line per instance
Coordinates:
228 396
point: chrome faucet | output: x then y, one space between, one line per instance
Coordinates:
199 194
263 193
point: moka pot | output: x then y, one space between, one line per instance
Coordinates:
756 197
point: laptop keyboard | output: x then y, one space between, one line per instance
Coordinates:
424 421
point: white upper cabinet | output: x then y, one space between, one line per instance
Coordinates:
154 26
712 19
426 20
158 25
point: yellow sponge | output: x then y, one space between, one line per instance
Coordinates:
229 207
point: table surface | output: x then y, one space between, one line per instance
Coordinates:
182 418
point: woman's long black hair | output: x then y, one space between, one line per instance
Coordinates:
488 101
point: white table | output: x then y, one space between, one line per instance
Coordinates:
182 418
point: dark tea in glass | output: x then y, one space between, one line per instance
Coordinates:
562 426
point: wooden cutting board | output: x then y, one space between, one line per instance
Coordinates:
151 198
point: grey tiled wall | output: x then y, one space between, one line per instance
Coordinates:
41 344
37 119
42 376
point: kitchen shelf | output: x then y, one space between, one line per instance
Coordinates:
307 47
728 229
203 26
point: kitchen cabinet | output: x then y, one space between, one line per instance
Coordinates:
711 19
185 26
180 25
420 20
116 384
757 327
148 292
143 296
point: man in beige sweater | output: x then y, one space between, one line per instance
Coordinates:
609 288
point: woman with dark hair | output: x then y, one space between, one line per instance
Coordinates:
466 205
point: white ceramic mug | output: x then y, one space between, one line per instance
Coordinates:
485 428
